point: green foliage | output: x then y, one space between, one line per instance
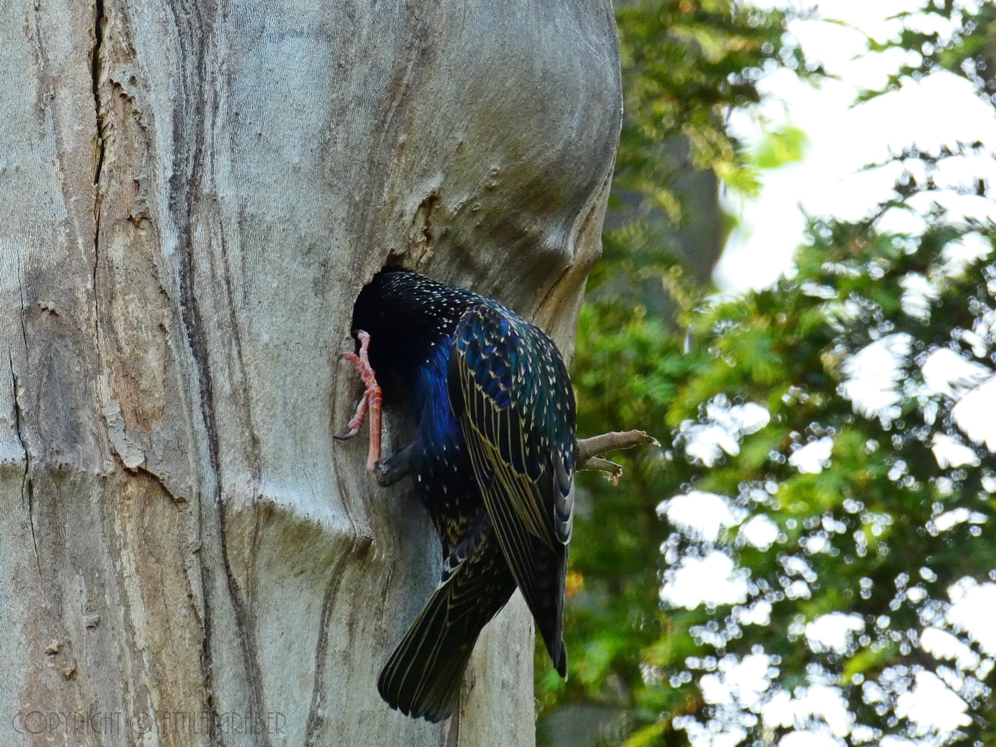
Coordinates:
685 63
961 39
780 147
880 531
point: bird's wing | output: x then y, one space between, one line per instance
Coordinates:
510 392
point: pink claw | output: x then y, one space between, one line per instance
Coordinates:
372 400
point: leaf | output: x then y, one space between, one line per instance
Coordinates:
781 147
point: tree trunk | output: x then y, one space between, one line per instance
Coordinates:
193 194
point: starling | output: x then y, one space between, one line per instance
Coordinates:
492 460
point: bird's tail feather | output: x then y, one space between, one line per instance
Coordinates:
423 676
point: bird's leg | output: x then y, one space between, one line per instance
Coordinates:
395 467
372 401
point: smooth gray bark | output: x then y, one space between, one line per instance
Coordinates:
193 194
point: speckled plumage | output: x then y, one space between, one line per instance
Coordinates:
493 462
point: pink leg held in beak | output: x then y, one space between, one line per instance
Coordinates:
372 399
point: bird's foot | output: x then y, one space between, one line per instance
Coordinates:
395 467
371 402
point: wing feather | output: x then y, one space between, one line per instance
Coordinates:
519 429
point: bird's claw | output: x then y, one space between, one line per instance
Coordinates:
371 401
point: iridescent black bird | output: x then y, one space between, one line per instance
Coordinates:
493 462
